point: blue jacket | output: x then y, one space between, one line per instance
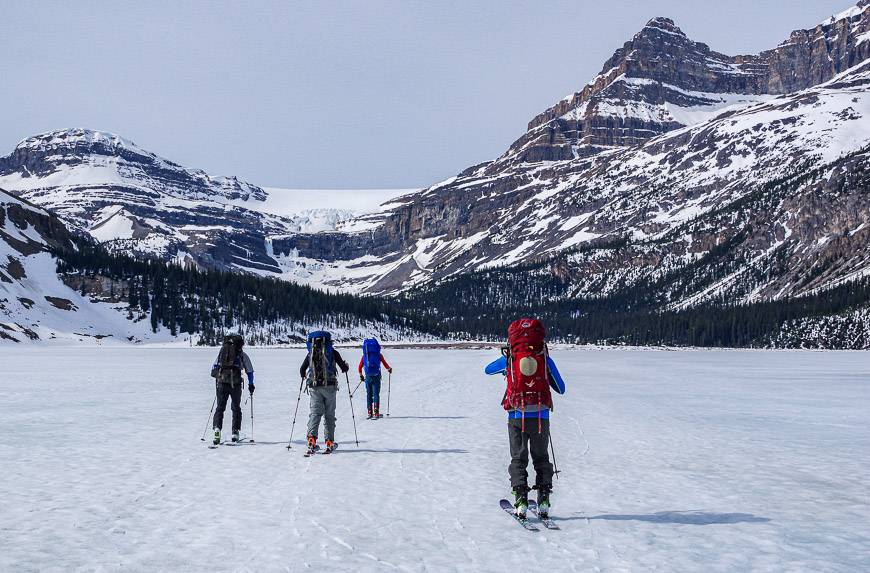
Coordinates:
556 383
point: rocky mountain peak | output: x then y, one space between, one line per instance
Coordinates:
661 80
661 24
76 136
100 159
80 142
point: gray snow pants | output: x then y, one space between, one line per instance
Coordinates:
322 404
521 442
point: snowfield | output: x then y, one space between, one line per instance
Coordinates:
670 461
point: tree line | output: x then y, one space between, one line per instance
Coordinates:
210 302
477 305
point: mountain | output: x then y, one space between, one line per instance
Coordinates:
59 285
676 160
661 80
135 201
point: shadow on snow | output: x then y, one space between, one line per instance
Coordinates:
684 517
426 418
351 449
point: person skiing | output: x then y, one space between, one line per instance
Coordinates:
227 372
319 367
371 360
530 374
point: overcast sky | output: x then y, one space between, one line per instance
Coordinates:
333 94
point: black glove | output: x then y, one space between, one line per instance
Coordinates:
362 378
344 368
251 388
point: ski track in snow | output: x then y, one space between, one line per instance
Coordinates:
670 461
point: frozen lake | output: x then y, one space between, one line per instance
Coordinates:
670 461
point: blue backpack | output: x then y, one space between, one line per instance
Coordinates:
371 357
321 361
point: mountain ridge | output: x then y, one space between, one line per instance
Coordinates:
511 210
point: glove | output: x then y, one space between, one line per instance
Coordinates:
344 369
390 370
251 388
362 378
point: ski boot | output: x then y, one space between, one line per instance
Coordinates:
235 436
377 413
521 501
312 445
370 414
217 436
330 447
544 500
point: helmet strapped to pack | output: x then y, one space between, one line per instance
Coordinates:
371 349
321 362
527 377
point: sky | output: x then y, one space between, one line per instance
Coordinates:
334 94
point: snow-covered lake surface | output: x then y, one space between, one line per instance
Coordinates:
670 461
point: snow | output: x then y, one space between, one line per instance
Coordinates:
848 13
716 104
87 322
118 225
670 461
289 202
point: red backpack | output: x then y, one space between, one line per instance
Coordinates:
528 381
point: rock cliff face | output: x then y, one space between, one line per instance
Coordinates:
810 57
661 80
675 159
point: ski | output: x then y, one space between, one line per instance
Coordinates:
311 451
509 509
548 523
239 442
213 446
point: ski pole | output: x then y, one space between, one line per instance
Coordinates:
352 417
355 389
202 439
252 417
389 387
552 449
298 398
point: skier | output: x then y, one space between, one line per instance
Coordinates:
372 359
227 372
319 368
530 374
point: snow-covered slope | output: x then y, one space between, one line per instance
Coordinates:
35 303
670 461
134 200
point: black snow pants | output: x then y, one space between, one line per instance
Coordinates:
536 439
225 392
